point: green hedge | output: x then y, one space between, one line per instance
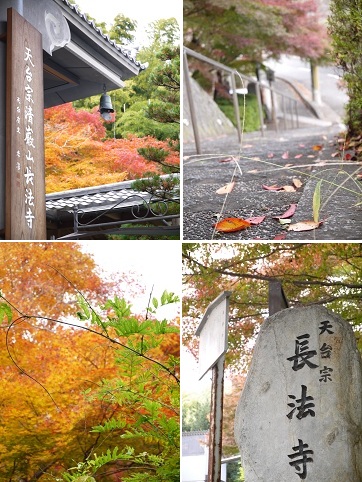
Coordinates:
252 121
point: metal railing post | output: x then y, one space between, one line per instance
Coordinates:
260 108
236 106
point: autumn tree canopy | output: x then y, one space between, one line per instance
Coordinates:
142 139
77 153
328 274
234 32
98 398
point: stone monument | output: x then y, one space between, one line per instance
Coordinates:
300 414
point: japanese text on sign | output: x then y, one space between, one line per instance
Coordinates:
303 406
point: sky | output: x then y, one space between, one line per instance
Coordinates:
157 265
142 11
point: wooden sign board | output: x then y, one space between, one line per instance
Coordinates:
25 170
212 331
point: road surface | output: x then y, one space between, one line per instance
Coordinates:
295 69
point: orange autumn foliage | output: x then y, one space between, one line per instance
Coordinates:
29 278
78 155
36 433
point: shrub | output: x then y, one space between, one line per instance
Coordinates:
252 122
345 29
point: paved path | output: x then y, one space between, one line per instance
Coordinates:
272 161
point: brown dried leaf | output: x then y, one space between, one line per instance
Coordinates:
289 189
226 189
230 225
297 183
304 226
317 147
272 188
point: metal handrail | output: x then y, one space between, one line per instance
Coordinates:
234 73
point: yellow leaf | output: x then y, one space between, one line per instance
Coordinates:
317 201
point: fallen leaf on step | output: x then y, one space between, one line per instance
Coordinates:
272 188
317 147
304 226
226 189
256 220
270 155
297 183
298 156
254 171
289 189
229 225
284 221
285 155
227 159
280 236
288 213
311 156
335 154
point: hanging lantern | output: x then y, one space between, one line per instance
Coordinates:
105 106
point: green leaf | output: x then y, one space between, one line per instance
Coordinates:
317 201
5 310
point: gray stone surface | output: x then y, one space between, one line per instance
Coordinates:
341 205
272 421
211 121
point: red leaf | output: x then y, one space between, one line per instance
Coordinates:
288 213
256 220
280 236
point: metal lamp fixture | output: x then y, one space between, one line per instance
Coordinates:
105 105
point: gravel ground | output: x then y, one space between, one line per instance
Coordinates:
276 159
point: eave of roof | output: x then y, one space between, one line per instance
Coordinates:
90 23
